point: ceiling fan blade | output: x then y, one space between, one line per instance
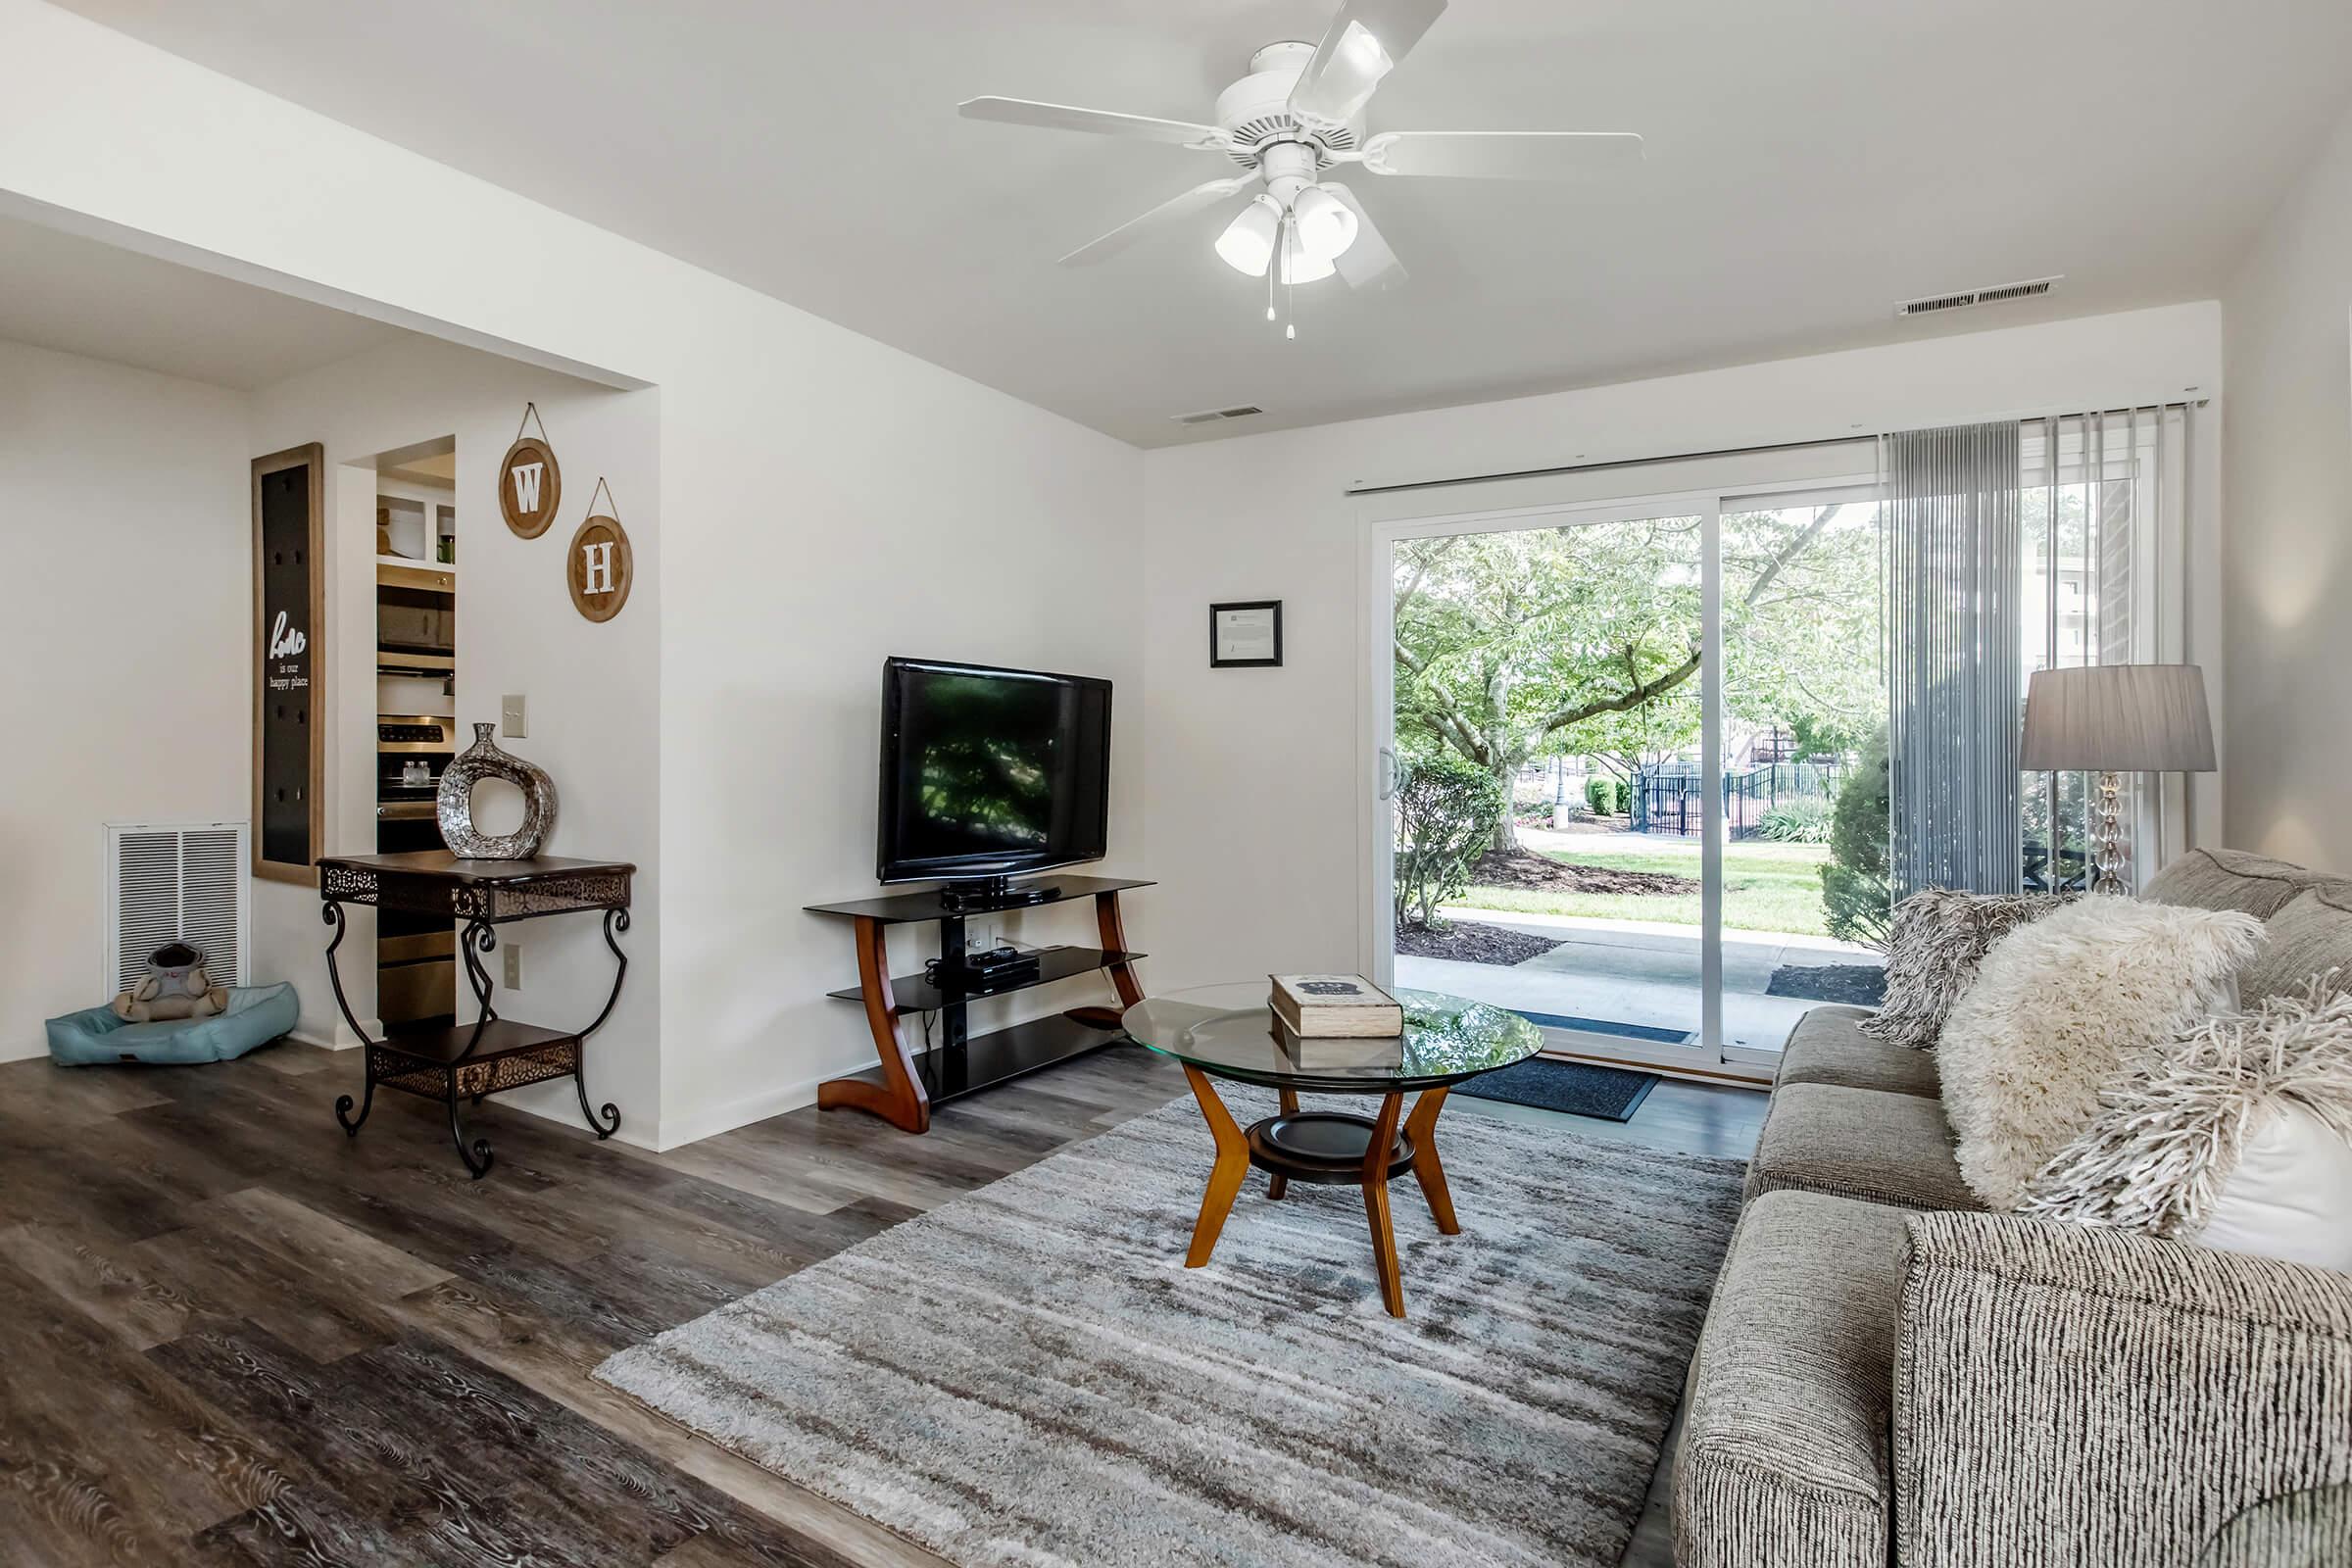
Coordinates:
1367 264
1100 122
1166 213
1502 154
1366 42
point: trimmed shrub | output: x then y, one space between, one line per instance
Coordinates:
1857 900
1600 795
1446 811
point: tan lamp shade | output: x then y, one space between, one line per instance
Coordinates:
2118 719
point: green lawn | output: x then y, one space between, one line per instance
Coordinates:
1766 886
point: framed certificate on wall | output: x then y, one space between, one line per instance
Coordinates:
1246 635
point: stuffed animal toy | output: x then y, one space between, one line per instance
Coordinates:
175 987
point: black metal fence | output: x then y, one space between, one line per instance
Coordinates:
1672 797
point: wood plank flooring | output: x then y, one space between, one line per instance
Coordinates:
228 1335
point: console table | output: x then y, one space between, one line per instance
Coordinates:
491 1055
907 1083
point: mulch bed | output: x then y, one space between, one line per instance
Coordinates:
1467 942
1524 869
1857 985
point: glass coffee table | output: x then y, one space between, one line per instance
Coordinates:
1227 1031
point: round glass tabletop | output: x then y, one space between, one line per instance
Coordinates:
1228 1030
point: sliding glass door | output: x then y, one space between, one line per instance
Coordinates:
1613 741
1547 665
1629 757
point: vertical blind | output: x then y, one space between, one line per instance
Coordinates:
2012 548
1954 616
2107 498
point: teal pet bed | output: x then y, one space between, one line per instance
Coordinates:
255 1015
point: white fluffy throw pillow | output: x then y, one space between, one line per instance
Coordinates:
2237 1135
2057 1010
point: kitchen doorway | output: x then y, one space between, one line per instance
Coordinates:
417 538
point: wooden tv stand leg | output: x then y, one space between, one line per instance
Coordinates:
1113 937
900 1100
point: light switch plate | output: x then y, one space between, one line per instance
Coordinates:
512 979
511 716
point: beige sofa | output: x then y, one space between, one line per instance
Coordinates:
1888 1374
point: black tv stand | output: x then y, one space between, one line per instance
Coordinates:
986 894
903 1084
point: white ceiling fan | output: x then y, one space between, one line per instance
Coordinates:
1299 114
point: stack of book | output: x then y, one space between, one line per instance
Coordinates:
1340 1005
1337 1022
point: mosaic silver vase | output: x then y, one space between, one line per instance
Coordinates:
453 802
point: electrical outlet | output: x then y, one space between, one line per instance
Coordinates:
511 716
513 965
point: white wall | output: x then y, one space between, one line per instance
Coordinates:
1255 778
126 693
950 522
823 500
2289 567
591 690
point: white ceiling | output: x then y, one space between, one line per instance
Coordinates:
1808 166
78 296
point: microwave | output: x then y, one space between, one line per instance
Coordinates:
415 628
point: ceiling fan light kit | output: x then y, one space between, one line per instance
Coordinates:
1248 243
1293 117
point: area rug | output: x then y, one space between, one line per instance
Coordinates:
1029 1376
1606 1094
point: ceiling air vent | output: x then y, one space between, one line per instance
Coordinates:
2031 288
1212 415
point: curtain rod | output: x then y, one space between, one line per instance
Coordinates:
1722 452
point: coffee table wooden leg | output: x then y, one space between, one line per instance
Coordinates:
1225 1178
1422 1124
1278 1184
1376 1204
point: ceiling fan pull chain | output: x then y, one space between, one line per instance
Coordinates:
1290 305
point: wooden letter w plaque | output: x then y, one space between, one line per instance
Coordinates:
530 484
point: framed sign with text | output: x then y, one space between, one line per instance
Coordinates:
289 609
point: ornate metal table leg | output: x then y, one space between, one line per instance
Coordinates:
479 937
607 1122
1376 1204
332 914
1225 1178
477 1159
351 1123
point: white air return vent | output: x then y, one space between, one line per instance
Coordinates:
1929 304
1212 415
176 882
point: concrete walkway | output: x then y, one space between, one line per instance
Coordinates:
1636 971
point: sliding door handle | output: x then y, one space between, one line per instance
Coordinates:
1386 776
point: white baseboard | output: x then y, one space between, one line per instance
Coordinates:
728 1116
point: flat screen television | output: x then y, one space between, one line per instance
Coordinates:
989 772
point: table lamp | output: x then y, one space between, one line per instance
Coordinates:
2112 719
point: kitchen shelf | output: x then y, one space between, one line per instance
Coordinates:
399 572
